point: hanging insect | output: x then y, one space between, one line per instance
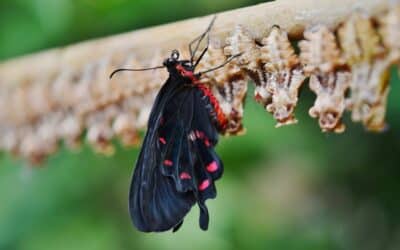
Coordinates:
177 165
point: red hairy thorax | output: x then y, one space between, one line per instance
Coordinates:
222 121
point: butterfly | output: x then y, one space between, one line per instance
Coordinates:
177 166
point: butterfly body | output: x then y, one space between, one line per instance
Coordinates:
177 165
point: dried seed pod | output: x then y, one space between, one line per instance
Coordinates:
82 91
283 77
102 89
40 141
215 56
61 94
124 127
9 139
47 130
390 32
139 107
369 64
31 149
19 101
319 51
70 130
126 82
229 86
100 132
143 116
231 97
5 102
242 43
329 77
99 136
369 92
330 103
39 99
131 104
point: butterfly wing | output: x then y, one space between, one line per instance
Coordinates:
177 165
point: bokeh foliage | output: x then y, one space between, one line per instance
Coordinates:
288 188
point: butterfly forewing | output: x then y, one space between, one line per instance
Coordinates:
177 165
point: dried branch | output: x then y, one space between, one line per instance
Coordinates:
58 94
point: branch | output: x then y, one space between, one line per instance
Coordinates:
292 16
58 94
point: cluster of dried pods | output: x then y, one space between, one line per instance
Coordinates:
73 103
348 69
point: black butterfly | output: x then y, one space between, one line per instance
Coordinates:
177 165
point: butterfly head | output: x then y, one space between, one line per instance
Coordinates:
182 68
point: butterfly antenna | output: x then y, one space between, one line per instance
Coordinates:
143 69
220 66
198 39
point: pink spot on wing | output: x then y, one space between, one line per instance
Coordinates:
185 176
212 167
199 134
168 163
162 140
207 142
205 184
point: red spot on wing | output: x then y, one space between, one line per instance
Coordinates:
212 167
168 163
162 140
207 142
204 185
185 176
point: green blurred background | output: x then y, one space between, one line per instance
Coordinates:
288 188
